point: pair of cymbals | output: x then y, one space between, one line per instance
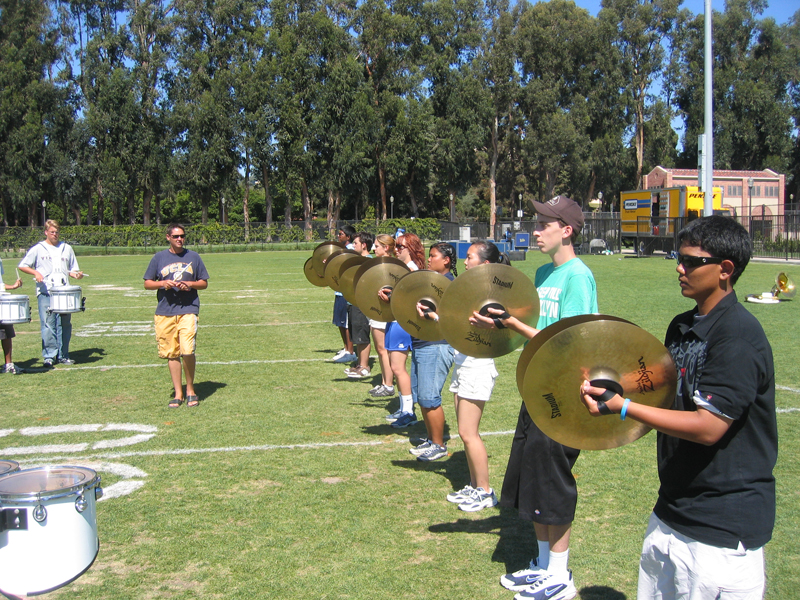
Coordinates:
311 274
321 255
606 350
372 275
487 286
337 263
426 287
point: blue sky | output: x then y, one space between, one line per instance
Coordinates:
780 10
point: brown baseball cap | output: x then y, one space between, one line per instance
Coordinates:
562 208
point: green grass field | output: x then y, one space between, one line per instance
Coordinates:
287 482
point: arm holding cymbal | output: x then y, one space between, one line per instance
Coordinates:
498 319
700 426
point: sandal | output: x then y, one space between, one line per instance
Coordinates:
175 403
192 401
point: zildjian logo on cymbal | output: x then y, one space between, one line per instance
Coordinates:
474 336
644 382
501 283
555 412
439 291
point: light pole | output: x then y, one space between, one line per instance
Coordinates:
600 197
44 213
223 210
391 203
750 209
452 207
519 212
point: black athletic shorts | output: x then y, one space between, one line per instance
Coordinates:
359 326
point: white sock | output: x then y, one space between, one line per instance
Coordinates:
407 403
389 388
558 562
544 554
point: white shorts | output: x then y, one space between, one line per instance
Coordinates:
378 324
473 383
674 566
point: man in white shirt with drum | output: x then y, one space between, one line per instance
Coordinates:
52 263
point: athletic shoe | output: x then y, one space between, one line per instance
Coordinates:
357 372
66 361
419 449
556 586
524 578
394 416
48 363
461 495
405 420
382 391
435 452
343 356
13 369
478 500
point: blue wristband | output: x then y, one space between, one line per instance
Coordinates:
624 410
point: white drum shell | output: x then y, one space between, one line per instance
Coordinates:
50 554
14 308
66 299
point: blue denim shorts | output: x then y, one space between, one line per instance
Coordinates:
429 368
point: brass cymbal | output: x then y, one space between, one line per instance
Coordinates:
545 334
488 285
321 254
427 287
311 274
346 282
613 350
374 274
336 265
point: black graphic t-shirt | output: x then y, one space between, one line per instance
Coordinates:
187 266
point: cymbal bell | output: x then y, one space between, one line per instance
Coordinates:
545 334
311 274
606 349
424 286
488 285
374 274
336 264
321 254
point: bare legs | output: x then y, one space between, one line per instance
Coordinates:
397 359
469 413
175 373
434 423
379 337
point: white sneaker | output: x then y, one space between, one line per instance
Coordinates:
419 449
478 500
344 357
524 578
556 586
461 495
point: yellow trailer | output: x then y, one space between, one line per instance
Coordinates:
658 212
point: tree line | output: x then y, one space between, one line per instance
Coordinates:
147 111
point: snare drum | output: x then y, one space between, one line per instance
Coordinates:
66 299
48 527
14 309
8 466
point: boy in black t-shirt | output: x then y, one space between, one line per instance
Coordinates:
718 444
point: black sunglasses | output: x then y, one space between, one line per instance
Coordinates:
696 261
180 235
400 246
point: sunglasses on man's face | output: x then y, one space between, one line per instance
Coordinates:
180 235
696 261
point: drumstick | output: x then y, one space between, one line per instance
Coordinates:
17 270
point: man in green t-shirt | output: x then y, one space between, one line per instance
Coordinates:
539 481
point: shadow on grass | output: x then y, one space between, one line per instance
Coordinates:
206 389
600 592
454 468
87 355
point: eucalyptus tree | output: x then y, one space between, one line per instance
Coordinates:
791 36
752 73
452 33
206 47
28 50
643 29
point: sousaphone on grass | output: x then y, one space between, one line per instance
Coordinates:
487 286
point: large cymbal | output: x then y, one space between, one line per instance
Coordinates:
488 285
321 254
337 263
347 283
545 334
427 287
601 349
311 274
376 273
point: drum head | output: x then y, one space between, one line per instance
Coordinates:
65 289
45 482
7 466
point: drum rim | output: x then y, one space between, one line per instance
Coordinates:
11 297
63 288
78 488
12 463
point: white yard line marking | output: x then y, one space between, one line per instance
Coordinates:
199 362
787 389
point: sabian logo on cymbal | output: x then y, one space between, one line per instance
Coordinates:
414 325
644 383
475 337
395 277
555 411
439 291
501 283
375 309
